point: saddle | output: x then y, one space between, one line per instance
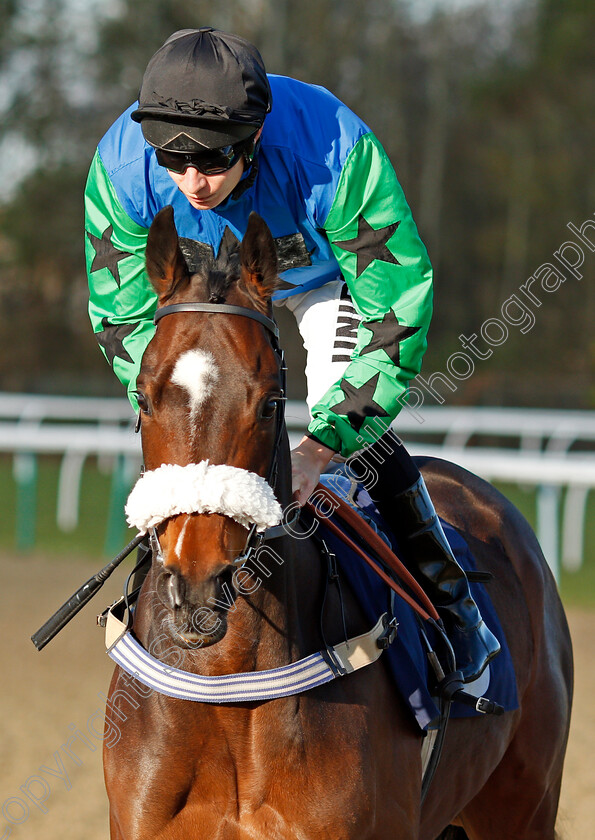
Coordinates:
420 656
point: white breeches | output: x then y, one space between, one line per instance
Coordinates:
328 323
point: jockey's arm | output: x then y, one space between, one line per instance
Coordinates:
121 299
387 270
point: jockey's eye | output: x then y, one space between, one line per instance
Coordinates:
269 407
142 402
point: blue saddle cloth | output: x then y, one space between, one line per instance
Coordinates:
406 658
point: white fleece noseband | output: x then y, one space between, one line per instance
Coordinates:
202 488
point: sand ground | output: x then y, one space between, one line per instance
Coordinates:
47 697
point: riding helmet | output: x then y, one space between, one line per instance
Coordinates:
203 89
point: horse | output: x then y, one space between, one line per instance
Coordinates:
342 760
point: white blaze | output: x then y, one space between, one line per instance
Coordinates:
180 540
197 373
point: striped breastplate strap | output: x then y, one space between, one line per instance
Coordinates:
307 673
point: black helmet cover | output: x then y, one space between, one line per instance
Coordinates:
203 89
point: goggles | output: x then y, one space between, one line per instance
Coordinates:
209 162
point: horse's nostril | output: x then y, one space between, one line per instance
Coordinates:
173 589
224 587
225 575
178 592
177 589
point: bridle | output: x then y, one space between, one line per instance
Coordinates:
84 593
254 539
226 309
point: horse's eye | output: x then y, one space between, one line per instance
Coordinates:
142 402
269 407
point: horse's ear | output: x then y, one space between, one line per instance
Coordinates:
166 266
258 259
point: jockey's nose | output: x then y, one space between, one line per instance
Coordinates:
193 179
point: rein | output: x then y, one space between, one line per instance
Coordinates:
316 669
345 512
423 606
287 680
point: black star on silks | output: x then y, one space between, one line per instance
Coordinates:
359 402
370 244
106 253
112 338
388 335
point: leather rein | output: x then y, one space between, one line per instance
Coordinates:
90 588
421 603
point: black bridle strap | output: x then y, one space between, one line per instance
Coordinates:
254 539
84 594
224 308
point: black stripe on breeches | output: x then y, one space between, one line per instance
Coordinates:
346 330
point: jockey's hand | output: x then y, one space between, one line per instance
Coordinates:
308 460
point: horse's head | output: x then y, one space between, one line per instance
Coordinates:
209 391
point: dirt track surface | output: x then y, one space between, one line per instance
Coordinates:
46 697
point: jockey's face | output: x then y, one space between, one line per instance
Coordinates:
207 191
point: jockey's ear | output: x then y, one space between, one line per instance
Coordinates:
258 258
166 266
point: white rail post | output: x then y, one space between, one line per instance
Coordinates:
573 540
548 497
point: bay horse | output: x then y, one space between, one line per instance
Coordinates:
343 760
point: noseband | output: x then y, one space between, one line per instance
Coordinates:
255 538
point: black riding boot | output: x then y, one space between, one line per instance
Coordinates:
411 515
434 566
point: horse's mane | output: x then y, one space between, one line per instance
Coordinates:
215 276
212 277
219 279
222 272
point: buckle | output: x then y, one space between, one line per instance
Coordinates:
451 688
389 634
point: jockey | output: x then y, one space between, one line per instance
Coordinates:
215 137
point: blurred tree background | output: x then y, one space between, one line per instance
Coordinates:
485 109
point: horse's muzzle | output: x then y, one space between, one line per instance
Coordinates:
198 610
